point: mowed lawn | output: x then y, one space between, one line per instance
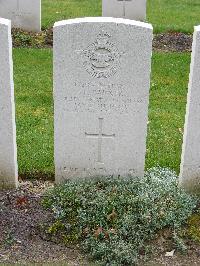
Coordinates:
34 110
165 15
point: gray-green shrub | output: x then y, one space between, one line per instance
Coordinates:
113 216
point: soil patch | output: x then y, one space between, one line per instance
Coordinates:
23 240
21 220
173 42
167 42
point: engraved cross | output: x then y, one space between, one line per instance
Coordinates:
124 6
100 136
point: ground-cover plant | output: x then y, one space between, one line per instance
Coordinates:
22 38
194 227
113 217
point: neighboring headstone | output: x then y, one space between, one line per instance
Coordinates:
8 150
190 163
24 14
101 93
130 9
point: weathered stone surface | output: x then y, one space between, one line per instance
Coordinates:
130 9
101 94
24 14
190 162
8 153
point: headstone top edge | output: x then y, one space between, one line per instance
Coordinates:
197 28
5 21
103 20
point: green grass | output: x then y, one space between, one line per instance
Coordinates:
173 15
170 73
165 15
34 110
65 9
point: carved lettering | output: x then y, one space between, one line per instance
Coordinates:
100 98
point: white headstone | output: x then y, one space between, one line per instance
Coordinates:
8 151
101 94
190 163
130 9
24 14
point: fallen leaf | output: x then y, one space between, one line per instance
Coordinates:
112 231
21 201
106 235
112 216
170 254
98 232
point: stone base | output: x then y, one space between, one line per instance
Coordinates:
8 185
190 184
